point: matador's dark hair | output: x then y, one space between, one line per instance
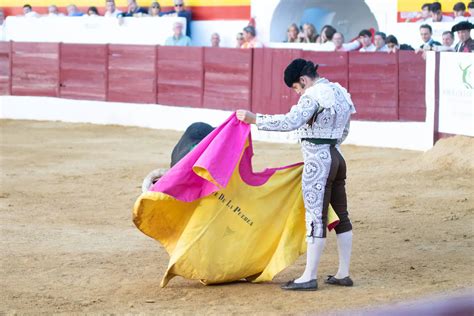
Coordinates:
297 68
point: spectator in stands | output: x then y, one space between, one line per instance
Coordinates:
447 45
155 9
459 10
428 42
365 38
309 34
327 33
53 11
2 17
134 10
215 40
28 11
73 11
425 13
240 40
250 36
178 38
111 10
466 44
379 41
292 34
180 11
92 11
323 38
470 8
437 14
392 44
338 40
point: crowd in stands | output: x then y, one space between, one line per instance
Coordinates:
328 40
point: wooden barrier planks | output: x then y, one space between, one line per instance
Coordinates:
5 68
132 73
84 71
411 87
333 66
35 69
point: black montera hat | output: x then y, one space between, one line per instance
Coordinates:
464 25
293 71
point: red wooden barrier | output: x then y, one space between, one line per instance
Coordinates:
373 84
35 69
132 73
83 71
270 93
227 78
180 75
411 87
333 66
5 68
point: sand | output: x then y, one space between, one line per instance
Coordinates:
68 244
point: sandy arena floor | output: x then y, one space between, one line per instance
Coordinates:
68 244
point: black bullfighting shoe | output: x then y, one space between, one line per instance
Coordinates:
311 285
347 281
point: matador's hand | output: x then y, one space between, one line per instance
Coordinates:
246 116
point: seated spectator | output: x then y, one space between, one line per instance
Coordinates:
240 40
250 36
155 10
2 17
178 38
338 40
28 11
437 14
292 34
470 8
111 10
459 10
466 44
309 34
327 34
92 11
379 41
425 13
428 42
73 11
215 40
323 37
392 44
134 10
365 38
53 11
448 41
180 11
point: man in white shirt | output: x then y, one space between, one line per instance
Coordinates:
110 9
448 43
28 11
365 38
53 11
459 10
379 41
437 14
470 8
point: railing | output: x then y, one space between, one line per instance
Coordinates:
384 87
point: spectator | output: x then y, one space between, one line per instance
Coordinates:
448 41
250 36
459 10
92 11
340 46
240 40
379 41
425 13
437 14
392 44
327 33
466 44
470 8
215 40
155 10
428 42
2 17
73 11
28 11
111 10
292 34
53 11
309 34
180 11
365 38
134 10
178 38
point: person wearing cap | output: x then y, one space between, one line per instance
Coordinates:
180 11
466 44
321 121
250 36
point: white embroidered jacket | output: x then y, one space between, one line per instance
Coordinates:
330 102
